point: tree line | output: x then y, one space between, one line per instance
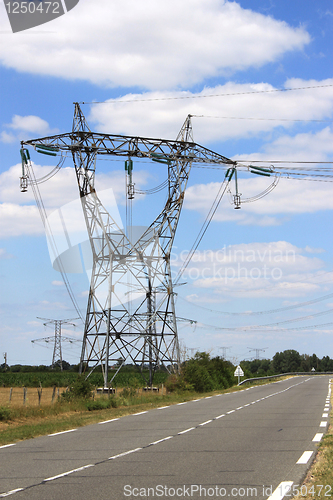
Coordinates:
286 362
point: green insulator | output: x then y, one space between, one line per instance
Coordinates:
27 153
24 158
227 173
159 156
167 162
231 175
47 148
260 173
261 169
129 166
50 153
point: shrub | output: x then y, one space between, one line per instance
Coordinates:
206 374
4 413
80 389
177 383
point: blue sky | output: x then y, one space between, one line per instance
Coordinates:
262 275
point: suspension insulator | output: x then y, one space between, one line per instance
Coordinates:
260 173
160 159
49 153
129 166
47 148
261 169
23 156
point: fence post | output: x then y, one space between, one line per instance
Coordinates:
39 391
53 393
10 394
24 395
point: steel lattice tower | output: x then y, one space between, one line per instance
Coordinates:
57 351
142 331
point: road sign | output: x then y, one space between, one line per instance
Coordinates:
239 372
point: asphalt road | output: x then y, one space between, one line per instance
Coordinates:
255 443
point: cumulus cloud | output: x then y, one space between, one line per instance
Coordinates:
19 214
30 123
24 127
272 269
164 44
290 197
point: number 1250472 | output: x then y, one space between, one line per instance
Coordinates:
33 7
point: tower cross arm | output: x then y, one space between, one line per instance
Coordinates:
128 146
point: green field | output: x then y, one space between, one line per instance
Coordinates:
66 378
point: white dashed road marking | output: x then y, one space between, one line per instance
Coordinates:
63 432
282 490
305 457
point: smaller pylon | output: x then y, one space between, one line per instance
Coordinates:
224 351
257 356
57 351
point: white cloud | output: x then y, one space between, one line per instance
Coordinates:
58 283
290 197
30 123
273 269
25 127
164 44
16 220
19 214
165 112
7 138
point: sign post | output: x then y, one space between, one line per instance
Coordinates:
239 373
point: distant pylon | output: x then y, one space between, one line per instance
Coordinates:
224 351
57 351
257 356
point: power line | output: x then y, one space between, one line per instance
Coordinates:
261 119
271 311
112 101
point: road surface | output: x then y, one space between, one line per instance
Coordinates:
255 443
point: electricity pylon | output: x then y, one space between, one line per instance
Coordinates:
57 338
117 329
257 356
224 351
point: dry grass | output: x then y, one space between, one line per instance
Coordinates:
14 397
